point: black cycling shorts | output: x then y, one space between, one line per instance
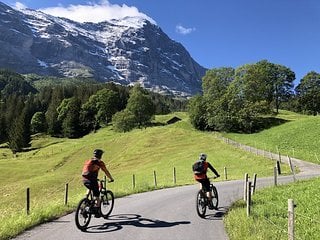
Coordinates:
205 184
92 185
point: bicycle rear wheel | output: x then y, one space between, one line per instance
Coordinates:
107 202
83 214
215 198
201 204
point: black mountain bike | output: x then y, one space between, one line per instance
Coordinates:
86 207
202 201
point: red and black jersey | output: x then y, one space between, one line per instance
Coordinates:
204 175
91 168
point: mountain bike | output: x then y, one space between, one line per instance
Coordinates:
86 207
202 201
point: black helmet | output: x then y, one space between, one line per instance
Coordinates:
203 156
97 153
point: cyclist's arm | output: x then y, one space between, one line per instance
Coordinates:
106 171
213 170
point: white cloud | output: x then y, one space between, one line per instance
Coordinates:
20 5
183 30
94 12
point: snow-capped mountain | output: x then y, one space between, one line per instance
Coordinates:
125 51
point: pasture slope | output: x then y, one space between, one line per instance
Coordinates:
296 138
53 162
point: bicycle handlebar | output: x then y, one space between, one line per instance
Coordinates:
214 177
101 180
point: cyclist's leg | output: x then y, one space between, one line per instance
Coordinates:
95 191
206 186
87 184
200 183
92 185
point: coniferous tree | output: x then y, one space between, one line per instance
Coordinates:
54 126
68 114
3 134
19 133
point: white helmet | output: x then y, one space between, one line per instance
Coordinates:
203 156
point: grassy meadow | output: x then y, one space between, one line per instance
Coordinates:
269 214
53 162
298 137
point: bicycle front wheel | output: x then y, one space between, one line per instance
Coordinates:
201 204
215 198
107 202
83 214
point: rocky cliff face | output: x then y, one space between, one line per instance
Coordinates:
124 51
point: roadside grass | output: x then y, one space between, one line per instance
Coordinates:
53 162
269 214
298 137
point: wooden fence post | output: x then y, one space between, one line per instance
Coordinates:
279 156
174 176
278 167
225 174
292 168
275 176
133 181
28 201
248 198
290 219
66 194
254 183
246 177
155 179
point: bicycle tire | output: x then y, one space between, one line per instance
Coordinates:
201 204
83 214
215 197
107 203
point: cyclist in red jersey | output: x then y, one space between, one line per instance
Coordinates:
90 173
203 178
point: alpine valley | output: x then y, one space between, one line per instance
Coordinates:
124 51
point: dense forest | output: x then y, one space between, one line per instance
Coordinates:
72 107
243 99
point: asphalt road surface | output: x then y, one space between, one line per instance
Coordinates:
161 214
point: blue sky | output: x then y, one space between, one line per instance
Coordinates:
219 33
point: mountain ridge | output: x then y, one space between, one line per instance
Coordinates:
124 51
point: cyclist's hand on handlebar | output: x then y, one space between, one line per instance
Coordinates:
217 176
111 180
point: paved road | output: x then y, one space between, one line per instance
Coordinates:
162 214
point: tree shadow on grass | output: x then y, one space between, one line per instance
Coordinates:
270 122
117 222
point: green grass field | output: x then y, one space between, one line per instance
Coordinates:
53 162
298 137
269 214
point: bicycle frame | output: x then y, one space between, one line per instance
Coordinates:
202 200
87 204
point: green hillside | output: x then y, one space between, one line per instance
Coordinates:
298 137
53 162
